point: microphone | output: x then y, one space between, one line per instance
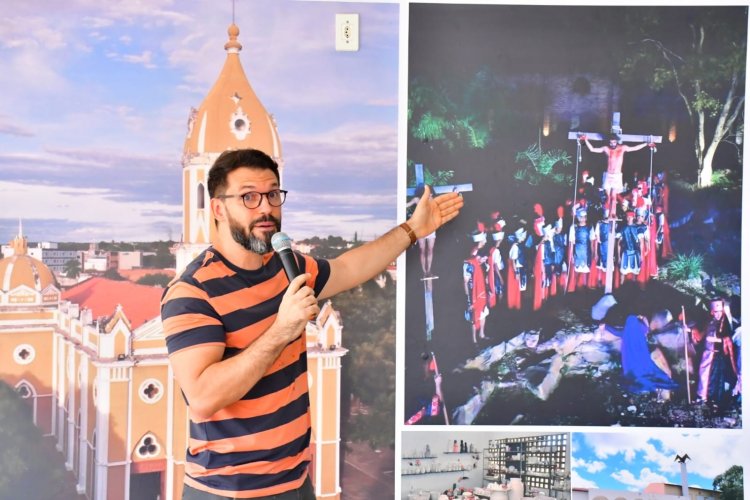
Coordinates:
282 244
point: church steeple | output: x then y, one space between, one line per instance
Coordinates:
232 116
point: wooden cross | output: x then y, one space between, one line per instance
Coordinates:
427 280
616 129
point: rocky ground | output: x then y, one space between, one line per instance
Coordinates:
552 368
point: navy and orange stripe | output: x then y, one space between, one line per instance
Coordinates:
258 445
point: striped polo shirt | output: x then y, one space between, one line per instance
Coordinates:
259 445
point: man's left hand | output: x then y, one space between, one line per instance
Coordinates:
431 213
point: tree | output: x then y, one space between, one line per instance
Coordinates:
701 56
72 268
112 274
540 165
30 467
157 279
729 483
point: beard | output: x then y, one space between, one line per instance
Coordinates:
246 238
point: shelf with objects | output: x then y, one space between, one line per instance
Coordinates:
541 463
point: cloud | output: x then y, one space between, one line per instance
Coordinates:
578 482
348 148
8 128
145 58
97 212
711 451
634 483
592 467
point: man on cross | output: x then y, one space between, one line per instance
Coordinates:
615 151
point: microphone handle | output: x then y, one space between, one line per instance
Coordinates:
289 261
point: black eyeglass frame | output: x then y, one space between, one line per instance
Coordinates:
244 197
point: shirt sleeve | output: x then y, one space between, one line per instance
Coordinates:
319 269
188 319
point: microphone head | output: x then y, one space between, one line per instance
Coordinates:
280 241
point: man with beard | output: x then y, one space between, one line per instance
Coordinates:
233 326
612 183
717 372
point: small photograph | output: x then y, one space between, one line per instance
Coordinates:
630 466
447 465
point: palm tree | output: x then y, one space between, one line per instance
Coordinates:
72 269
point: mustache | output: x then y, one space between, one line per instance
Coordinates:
265 218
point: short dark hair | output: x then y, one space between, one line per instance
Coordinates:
232 160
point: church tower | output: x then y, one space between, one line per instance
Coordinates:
230 117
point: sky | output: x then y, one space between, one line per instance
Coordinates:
96 95
632 460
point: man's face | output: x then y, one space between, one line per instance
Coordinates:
717 309
252 227
612 143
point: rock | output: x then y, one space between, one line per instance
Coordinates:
551 380
631 408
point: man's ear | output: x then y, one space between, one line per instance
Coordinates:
218 209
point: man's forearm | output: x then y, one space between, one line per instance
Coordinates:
227 381
365 262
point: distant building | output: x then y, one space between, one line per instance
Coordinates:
654 491
48 252
129 260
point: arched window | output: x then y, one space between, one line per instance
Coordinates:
201 196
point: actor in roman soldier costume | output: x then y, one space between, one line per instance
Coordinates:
641 223
660 192
717 373
602 232
475 286
495 262
545 271
631 248
560 242
580 243
663 240
518 266
538 221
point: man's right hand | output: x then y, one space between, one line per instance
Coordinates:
298 306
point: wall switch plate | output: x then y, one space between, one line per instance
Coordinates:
347 32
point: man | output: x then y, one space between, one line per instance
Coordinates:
580 241
631 248
717 373
495 262
615 152
517 265
233 326
640 372
475 284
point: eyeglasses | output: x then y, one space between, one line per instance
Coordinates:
253 199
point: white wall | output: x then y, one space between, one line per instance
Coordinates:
416 440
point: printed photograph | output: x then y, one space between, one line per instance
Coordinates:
670 466
444 465
593 277
111 114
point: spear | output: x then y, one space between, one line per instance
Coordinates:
687 361
440 389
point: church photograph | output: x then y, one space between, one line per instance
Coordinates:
82 346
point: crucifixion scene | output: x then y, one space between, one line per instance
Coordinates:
593 276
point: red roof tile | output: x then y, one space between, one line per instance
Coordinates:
140 303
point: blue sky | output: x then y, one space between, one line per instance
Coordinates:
632 460
95 99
